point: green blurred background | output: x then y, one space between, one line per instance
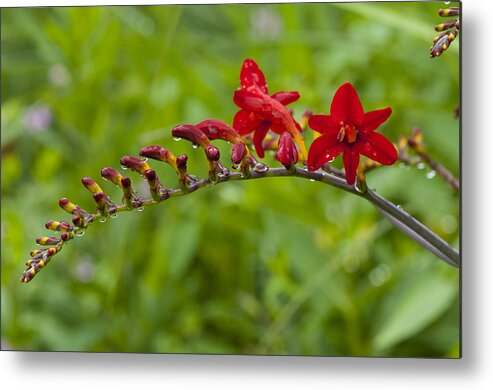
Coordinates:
279 266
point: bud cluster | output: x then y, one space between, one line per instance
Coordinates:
450 31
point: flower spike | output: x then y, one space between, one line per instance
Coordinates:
451 30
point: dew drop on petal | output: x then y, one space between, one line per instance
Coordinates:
141 208
113 215
195 146
145 159
177 139
79 233
420 165
399 207
102 220
430 174
312 179
124 167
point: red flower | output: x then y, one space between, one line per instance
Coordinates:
261 112
351 131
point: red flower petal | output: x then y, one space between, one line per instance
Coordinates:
250 100
251 75
373 119
322 124
351 161
377 147
246 121
286 97
346 106
278 128
258 137
215 129
322 150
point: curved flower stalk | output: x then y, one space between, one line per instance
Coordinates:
82 219
450 31
347 130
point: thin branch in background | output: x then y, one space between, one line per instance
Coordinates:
415 142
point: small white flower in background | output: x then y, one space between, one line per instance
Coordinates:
265 24
37 118
58 75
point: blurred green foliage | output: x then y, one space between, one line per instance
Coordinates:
279 266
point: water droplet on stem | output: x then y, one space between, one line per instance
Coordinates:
430 174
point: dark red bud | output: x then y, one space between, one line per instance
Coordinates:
77 221
452 11
126 182
212 153
238 152
65 236
99 197
135 164
192 134
287 153
111 175
215 129
47 240
91 185
52 251
150 175
181 161
67 205
155 152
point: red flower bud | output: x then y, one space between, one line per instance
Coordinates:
157 152
36 252
191 133
181 162
47 240
452 11
67 205
238 152
91 185
212 153
135 164
287 153
70 207
58 226
111 175
215 129
77 221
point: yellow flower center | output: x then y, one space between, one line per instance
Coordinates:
347 132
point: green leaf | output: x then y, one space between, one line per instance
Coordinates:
419 305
